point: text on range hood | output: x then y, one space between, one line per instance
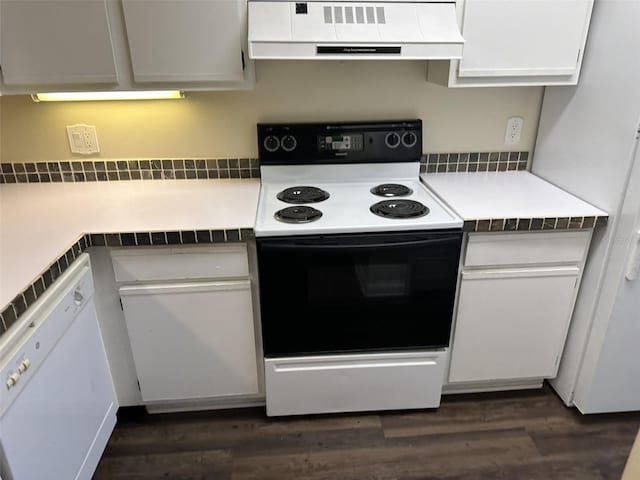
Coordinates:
342 30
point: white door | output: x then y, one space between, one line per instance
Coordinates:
185 40
56 42
609 379
511 324
523 37
192 340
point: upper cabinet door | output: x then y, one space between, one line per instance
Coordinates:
523 37
185 40
517 43
56 42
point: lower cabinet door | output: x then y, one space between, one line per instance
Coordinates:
512 324
192 340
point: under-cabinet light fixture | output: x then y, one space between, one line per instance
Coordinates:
92 96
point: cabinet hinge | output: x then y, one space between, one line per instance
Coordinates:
138 382
638 132
242 58
121 307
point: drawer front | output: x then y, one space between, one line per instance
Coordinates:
168 263
495 249
348 383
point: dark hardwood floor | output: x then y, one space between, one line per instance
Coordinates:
520 435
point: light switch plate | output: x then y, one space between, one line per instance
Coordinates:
83 139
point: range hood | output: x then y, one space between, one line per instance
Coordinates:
364 30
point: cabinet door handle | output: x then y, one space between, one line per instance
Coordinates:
633 264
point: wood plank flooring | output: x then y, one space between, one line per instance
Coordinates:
519 435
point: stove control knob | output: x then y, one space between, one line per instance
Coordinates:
271 143
409 139
24 366
288 143
13 379
392 140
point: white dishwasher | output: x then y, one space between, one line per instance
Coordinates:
57 401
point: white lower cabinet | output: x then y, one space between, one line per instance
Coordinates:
515 300
193 340
512 323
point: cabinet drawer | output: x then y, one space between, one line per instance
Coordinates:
165 263
347 383
526 248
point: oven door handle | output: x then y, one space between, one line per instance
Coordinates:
359 246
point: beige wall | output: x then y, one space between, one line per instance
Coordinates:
223 124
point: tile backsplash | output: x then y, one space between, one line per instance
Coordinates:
475 162
221 168
116 170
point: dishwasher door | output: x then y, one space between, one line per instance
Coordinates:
63 413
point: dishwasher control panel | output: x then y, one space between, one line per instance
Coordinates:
42 330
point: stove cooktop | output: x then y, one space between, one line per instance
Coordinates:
349 207
351 177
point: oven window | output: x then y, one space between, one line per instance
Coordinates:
356 293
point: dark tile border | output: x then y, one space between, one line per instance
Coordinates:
222 168
474 162
11 312
174 237
123 170
532 224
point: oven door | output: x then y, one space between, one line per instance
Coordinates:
357 292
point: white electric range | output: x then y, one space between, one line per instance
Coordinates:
358 265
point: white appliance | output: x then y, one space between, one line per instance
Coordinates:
57 402
321 30
358 264
588 145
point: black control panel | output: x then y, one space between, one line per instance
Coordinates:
343 142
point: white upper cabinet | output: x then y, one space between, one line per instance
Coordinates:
56 42
518 42
76 45
184 40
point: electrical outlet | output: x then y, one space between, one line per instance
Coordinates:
83 139
514 130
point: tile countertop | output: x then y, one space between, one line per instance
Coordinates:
507 195
39 222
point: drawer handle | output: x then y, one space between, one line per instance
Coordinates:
306 367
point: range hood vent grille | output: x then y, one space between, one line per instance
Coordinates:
358 14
